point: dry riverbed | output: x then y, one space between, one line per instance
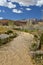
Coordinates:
17 51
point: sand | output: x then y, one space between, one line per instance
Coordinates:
17 51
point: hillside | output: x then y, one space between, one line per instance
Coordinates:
20 22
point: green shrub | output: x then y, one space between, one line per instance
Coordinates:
4 40
25 30
35 36
13 35
33 47
9 32
37 59
19 29
41 39
0 42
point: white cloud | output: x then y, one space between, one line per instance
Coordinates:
9 0
24 2
39 2
10 5
2 2
29 2
28 9
1 18
7 4
21 2
16 11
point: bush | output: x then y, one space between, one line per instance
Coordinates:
9 32
37 59
35 36
41 39
25 30
3 41
13 35
33 47
6 40
19 29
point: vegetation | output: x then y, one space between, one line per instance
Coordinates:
3 29
33 47
36 45
37 58
41 39
9 32
3 41
7 37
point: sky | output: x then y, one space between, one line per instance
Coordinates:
21 9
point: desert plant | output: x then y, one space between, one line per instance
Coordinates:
41 39
13 35
4 40
34 47
37 59
35 36
9 32
25 30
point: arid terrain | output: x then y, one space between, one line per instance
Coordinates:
17 51
21 39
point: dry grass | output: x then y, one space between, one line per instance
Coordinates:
3 29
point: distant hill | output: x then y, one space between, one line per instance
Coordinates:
4 22
19 22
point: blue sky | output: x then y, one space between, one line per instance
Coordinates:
19 9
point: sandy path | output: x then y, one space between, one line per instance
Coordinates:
16 52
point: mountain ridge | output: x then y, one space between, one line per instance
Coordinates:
19 22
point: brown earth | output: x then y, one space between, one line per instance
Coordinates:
17 51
